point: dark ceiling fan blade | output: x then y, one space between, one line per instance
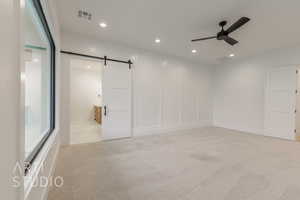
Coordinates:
230 40
238 24
206 38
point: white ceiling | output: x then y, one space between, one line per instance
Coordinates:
136 23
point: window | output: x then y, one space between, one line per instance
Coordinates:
39 51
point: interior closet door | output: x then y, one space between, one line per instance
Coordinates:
116 88
280 103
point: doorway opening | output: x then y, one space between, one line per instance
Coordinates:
85 100
101 98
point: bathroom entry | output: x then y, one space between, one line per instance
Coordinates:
85 100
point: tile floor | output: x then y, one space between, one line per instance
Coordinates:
88 132
208 164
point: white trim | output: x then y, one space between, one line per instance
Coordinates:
32 175
260 133
241 129
51 171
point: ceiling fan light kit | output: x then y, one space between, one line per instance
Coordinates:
224 34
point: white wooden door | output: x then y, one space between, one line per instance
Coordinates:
116 109
280 103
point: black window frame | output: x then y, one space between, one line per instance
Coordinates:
37 149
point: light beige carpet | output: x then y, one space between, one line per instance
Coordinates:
208 164
87 132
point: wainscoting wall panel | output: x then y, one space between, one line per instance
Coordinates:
169 93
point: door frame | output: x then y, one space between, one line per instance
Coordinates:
66 139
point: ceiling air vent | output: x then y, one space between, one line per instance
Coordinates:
84 14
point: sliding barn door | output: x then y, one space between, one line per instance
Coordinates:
116 110
280 103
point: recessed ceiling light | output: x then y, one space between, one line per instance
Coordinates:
231 55
194 51
89 67
157 40
35 60
103 25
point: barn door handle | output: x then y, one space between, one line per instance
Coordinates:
105 111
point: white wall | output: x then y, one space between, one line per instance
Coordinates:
169 93
10 96
85 82
239 89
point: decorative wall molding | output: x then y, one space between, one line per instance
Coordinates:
154 130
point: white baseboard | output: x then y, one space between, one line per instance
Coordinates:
255 132
241 129
52 171
154 130
47 163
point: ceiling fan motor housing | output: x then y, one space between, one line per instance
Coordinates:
223 23
222 34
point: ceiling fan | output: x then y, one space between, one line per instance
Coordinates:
224 34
